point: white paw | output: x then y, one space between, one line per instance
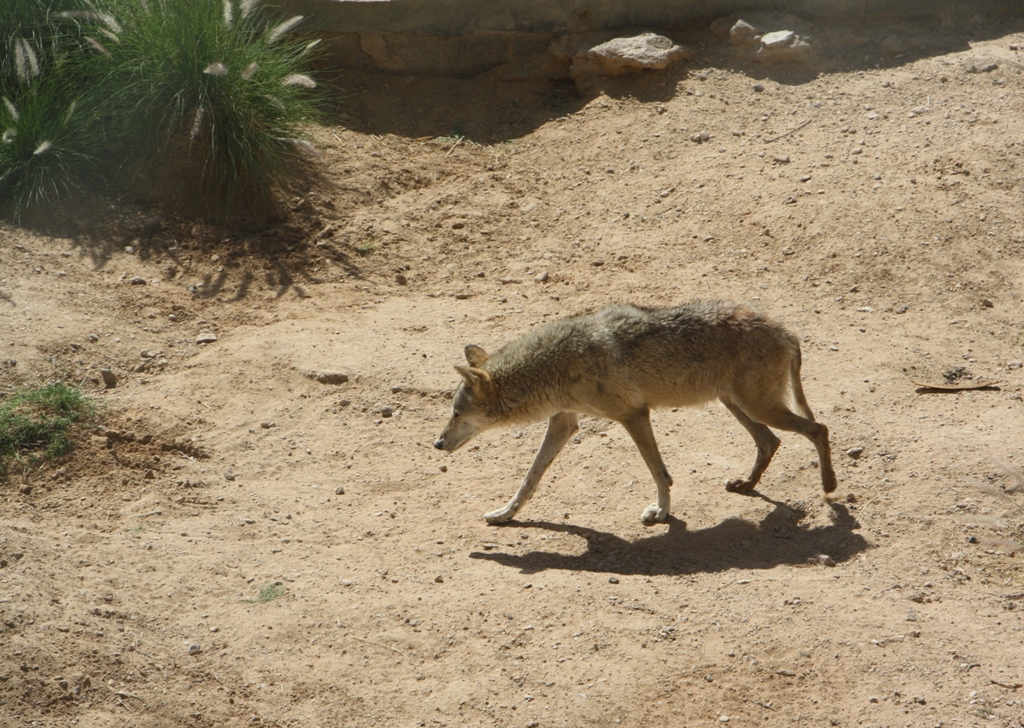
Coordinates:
502 515
654 514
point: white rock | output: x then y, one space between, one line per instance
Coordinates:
628 55
742 33
778 39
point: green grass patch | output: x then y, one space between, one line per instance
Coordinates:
35 423
269 593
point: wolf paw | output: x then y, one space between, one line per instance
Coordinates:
502 515
653 514
739 485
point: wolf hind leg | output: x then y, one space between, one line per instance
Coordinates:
561 427
638 425
777 415
767 443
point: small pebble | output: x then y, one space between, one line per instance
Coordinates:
401 279
109 379
206 338
439 579
386 411
987 303
268 425
137 281
542 277
855 452
194 649
229 474
444 468
758 88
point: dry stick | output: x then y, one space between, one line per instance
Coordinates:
786 134
457 143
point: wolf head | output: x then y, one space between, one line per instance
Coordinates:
472 405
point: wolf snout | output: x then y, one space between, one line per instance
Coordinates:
439 443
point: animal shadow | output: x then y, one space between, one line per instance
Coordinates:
734 543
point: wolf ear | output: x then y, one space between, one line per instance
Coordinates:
476 379
476 356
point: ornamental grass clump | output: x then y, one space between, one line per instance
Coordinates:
210 96
201 101
49 136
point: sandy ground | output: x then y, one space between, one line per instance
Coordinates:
887 231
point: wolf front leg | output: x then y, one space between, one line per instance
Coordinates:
638 425
560 428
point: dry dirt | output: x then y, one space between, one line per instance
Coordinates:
891 240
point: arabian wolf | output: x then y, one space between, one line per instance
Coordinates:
621 362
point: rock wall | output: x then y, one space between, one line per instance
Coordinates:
464 38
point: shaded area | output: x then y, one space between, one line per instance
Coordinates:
732 544
507 102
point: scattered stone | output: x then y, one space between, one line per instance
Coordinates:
443 468
326 376
152 224
463 296
439 579
137 281
786 673
25 490
781 159
901 309
972 539
386 411
851 498
783 46
109 379
987 68
1014 365
758 88
890 45
987 303
826 560
700 137
742 33
93 338
918 110
613 580
340 490
542 277
206 337
401 279
229 475
268 425
855 452
194 649
628 55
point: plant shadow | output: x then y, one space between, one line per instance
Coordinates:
734 543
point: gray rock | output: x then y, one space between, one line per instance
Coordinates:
229 474
542 277
109 379
340 490
758 88
784 46
742 33
1014 365
891 45
386 411
206 337
401 279
855 452
137 281
194 649
620 56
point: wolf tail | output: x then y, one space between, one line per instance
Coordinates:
803 408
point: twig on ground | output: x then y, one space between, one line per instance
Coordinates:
787 133
457 143
378 644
